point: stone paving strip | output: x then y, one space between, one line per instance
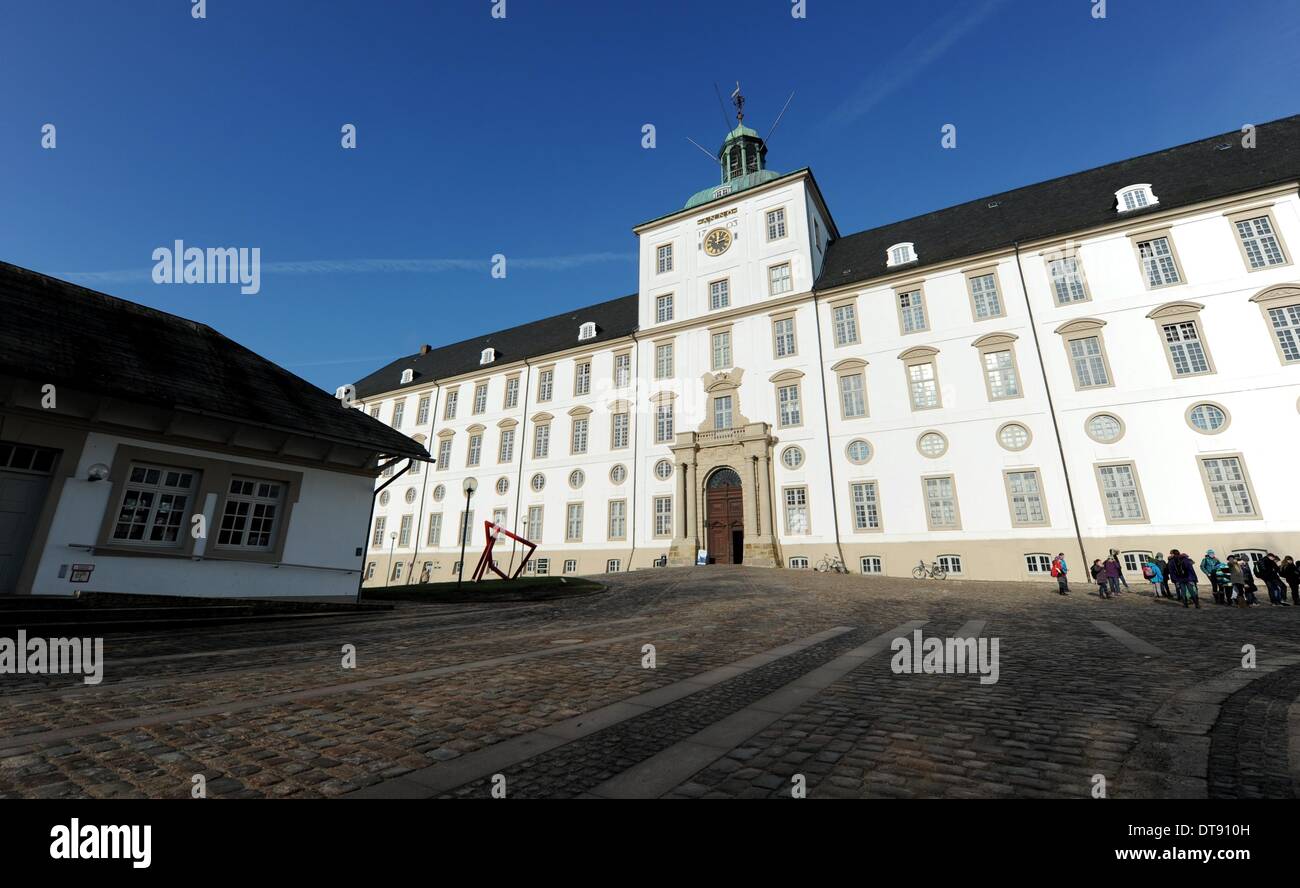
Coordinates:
1130 641
61 734
437 779
675 765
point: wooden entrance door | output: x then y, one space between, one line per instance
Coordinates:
724 517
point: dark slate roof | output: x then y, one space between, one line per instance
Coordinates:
1181 176
613 319
52 331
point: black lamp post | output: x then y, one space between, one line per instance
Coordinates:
470 485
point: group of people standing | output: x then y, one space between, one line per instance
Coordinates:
1232 582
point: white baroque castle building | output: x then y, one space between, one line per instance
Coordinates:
1107 360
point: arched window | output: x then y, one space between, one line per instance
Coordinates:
724 477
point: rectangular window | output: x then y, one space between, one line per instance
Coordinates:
950 563
984 296
796 511
622 370
941 502
580 426
1119 491
1186 352
570 565
370 570
719 295
512 393
542 441
791 411
535 524
499 517
475 450
480 397
444 454
1089 362
434 536
466 529
778 279
1260 242
1229 487
911 312
397 570
374 411
871 564
663 516
573 523
1133 561
866 507
404 531
853 396
664 360
776 224
582 378
251 512
617 519
506 451
449 408
845 319
721 350
1038 564
664 309
618 436
1286 327
783 337
415 467
923 385
722 412
377 539
1158 262
399 410
663 423
422 411
1000 374
613 565
545 385
664 258
1026 495
1067 280
155 503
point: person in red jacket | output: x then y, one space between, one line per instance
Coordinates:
1059 570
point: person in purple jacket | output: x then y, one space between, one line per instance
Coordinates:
1183 572
1111 566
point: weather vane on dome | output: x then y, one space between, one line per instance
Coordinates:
739 101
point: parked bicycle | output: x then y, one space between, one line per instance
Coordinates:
831 564
934 571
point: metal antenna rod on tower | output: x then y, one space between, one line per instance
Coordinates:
722 108
778 117
705 150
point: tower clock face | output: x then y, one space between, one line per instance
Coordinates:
717 241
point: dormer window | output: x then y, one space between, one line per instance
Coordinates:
487 356
1134 197
408 375
587 331
901 254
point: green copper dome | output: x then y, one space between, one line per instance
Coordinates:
743 157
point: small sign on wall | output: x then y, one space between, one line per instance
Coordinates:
81 573
702 556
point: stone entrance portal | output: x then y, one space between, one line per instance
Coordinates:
724 517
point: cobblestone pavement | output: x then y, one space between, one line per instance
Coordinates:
764 681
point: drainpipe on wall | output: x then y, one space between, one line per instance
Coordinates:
1051 408
424 485
634 406
826 419
526 383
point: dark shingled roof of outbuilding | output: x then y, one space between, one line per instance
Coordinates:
613 319
52 331
1181 176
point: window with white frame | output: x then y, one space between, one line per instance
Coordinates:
796 511
1207 418
580 426
370 570
923 385
487 356
866 505
1158 263
377 539
721 357
941 502
664 308
422 411
475 452
799 562
901 254
613 565
434 535
792 457
399 410
466 527
449 406
1066 273
408 375
542 440
663 510
783 344
545 384
1229 487
1000 373
586 331
1186 352
664 258
506 450
444 453
622 370
1260 242
512 393
1088 362
374 411
911 311
155 501
663 423
853 395
845 318
251 512
664 360
719 294
1120 494
776 224
404 531
543 567
1286 327
582 378
573 523
1133 561
790 412
870 564
618 436
663 470
534 523
503 485
617 519
950 563
722 412
779 280
480 398
577 478
1038 563
984 296
1025 491
1134 197
397 570
570 565
618 474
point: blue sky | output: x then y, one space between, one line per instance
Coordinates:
522 136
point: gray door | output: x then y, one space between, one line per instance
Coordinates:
21 498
